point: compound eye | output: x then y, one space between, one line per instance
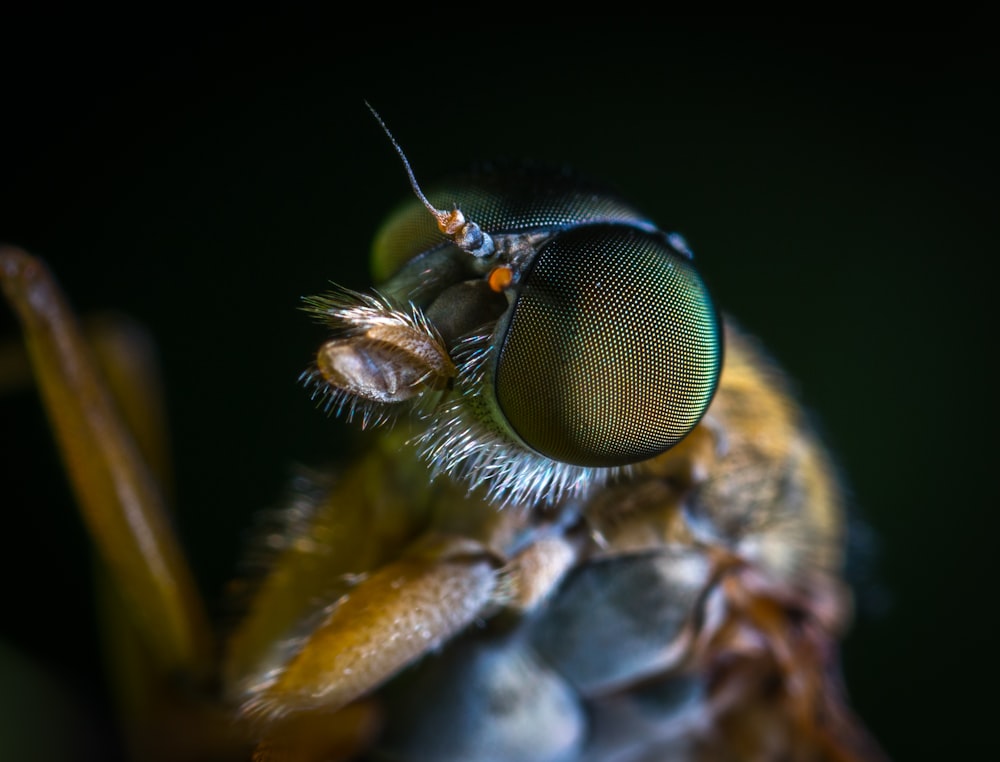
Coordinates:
612 350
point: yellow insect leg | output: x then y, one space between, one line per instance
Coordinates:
397 614
119 499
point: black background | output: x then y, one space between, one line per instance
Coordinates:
833 180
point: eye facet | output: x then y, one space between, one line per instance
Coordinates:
612 349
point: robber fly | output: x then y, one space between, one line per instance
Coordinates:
591 522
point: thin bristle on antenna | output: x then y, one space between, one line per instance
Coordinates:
406 163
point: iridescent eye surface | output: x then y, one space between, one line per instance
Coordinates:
612 350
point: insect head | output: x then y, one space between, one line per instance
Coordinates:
550 334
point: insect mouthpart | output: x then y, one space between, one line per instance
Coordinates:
380 356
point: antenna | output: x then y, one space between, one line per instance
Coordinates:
465 234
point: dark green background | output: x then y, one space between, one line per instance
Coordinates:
834 182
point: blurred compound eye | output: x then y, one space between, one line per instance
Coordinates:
612 349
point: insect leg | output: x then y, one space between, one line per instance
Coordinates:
397 614
120 502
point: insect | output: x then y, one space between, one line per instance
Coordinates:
590 522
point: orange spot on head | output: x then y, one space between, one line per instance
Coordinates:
500 278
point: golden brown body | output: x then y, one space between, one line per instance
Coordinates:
749 500
689 609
